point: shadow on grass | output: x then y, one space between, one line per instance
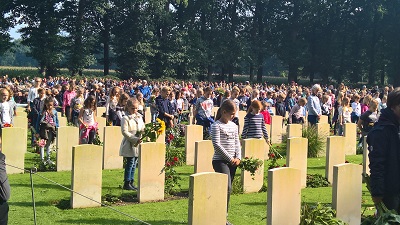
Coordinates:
316 167
44 186
255 203
102 221
29 204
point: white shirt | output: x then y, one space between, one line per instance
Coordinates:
356 108
6 113
179 103
32 94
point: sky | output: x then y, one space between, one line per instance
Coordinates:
14 32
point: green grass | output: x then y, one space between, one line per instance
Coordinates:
52 201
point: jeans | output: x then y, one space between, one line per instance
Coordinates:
3 212
312 119
221 166
129 174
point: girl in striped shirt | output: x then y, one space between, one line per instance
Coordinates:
254 124
225 139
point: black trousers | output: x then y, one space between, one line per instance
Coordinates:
3 213
221 166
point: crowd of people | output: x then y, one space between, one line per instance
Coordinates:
127 101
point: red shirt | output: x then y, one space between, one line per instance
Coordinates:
267 116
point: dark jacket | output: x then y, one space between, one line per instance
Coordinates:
164 106
384 155
4 184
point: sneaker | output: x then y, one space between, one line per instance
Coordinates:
228 223
50 162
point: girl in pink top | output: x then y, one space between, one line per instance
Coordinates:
68 96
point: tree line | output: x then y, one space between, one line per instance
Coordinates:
350 40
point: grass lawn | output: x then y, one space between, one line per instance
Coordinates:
52 201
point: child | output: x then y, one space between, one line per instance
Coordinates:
87 119
356 106
326 108
142 106
76 105
131 123
254 124
67 98
280 106
7 109
225 139
344 114
265 113
179 105
47 130
111 103
153 106
120 108
296 115
174 109
382 104
368 119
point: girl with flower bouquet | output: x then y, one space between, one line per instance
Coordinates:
131 124
47 128
7 109
225 139
88 123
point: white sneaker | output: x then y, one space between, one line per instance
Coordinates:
50 162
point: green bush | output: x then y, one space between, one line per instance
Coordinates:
318 215
316 181
316 143
237 187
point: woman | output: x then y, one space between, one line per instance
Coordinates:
131 123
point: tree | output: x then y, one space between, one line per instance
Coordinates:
5 24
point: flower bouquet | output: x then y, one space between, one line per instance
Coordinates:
250 164
151 131
274 155
7 125
385 216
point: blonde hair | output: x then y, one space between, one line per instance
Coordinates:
367 99
130 103
373 104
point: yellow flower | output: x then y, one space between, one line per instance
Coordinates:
162 128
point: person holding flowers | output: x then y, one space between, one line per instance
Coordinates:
131 125
225 139
384 157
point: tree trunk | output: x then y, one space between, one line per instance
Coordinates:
106 42
260 71
209 72
231 69
293 72
251 72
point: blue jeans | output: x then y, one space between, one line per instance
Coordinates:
129 174
312 119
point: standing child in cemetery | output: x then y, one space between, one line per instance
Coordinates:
365 105
225 139
296 115
111 104
76 105
368 119
280 107
384 142
7 110
356 106
67 101
265 113
87 119
326 108
131 123
164 107
336 106
383 104
254 124
203 110
179 105
153 106
120 108
234 95
142 106
344 114
48 125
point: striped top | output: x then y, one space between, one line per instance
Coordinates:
225 139
254 126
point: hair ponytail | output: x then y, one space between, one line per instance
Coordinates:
228 106
219 114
